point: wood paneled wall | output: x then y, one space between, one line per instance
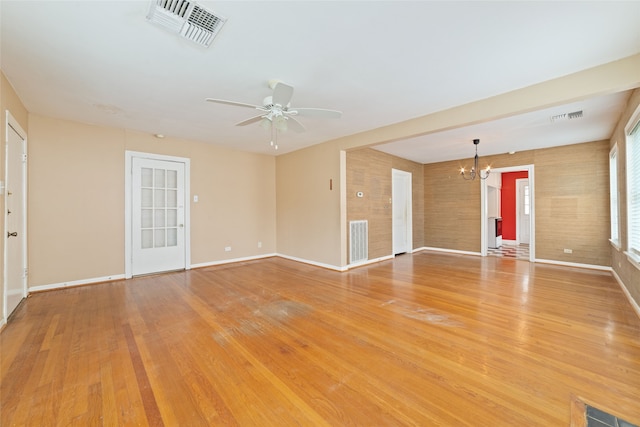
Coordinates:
369 171
571 203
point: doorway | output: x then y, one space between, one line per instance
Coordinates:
157 214
402 228
530 253
15 223
523 211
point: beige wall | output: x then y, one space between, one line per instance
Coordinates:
9 101
76 199
627 272
309 217
571 203
369 171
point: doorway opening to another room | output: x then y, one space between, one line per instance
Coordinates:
507 199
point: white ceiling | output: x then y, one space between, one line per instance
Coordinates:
379 62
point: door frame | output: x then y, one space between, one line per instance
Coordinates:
12 123
519 209
409 206
128 191
484 217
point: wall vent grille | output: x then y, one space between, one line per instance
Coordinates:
567 116
358 241
186 18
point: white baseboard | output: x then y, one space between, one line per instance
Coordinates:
230 261
451 251
369 261
625 290
317 264
510 242
3 323
574 264
75 283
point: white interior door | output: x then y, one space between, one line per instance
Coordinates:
157 216
401 211
15 249
523 211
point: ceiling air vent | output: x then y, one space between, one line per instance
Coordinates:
566 116
186 18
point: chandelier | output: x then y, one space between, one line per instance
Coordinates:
474 170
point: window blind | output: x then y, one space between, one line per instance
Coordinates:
633 182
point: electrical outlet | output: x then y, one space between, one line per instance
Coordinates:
568 251
259 244
227 248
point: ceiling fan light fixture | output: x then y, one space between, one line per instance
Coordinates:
265 123
280 123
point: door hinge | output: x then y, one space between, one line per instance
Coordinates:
24 158
26 273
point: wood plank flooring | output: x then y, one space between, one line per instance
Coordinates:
426 339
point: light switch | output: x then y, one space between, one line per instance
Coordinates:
195 198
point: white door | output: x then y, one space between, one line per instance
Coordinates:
157 216
401 211
15 249
523 208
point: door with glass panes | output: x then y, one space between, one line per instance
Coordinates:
158 216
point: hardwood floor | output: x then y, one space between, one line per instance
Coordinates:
425 339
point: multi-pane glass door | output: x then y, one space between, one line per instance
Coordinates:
158 216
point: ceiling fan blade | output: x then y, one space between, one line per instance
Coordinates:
294 125
250 120
282 94
237 104
318 112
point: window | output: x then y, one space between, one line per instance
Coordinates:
633 186
613 195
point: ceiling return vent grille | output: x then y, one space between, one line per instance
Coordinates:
186 18
567 116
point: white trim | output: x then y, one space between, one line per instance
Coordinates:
12 123
633 259
510 242
129 155
369 261
232 260
616 245
3 322
629 127
76 283
574 264
532 222
614 179
633 302
451 251
317 264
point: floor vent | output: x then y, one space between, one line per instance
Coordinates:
358 241
186 18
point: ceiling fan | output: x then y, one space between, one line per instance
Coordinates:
276 112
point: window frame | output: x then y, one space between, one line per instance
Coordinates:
632 127
614 197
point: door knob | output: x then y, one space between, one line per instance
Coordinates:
14 234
